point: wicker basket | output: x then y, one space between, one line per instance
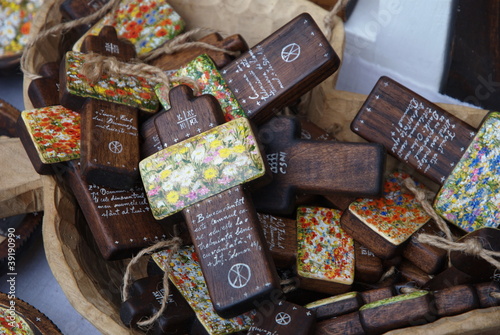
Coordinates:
92 284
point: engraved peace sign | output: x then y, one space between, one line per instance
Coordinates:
291 52
115 147
283 318
239 275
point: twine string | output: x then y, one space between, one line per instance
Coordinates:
182 42
173 245
422 197
329 19
471 246
96 65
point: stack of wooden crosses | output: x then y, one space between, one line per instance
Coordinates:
285 230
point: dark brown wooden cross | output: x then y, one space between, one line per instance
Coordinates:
218 212
145 300
316 167
266 78
110 137
440 146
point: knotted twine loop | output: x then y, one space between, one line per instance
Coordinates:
59 29
173 245
329 19
181 42
471 246
96 65
422 197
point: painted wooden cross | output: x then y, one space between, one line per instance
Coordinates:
145 300
465 161
384 224
316 167
281 237
187 276
202 176
110 137
269 76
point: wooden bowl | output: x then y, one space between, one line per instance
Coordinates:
92 284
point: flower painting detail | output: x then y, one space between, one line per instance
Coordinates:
201 166
132 91
470 196
146 23
396 215
325 251
16 17
204 72
187 277
55 132
12 323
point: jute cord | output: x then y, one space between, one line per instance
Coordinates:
182 42
173 245
59 29
470 246
422 197
96 65
329 19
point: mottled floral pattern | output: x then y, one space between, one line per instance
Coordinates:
13 324
325 251
16 17
204 72
201 166
396 215
392 300
146 23
55 132
470 196
186 275
126 90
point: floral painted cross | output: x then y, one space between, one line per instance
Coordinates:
203 176
110 135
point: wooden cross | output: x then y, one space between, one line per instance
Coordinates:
281 237
325 253
145 300
335 306
50 136
110 137
383 225
285 318
271 75
187 276
317 167
202 176
440 146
